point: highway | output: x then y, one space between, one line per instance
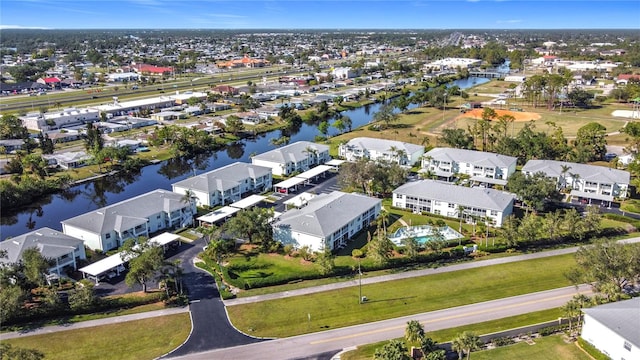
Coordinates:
335 340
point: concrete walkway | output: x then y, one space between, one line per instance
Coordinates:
92 323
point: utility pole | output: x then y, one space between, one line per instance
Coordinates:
360 282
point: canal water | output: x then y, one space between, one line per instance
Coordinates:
89 196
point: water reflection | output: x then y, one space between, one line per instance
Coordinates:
110 190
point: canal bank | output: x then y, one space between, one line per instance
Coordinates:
108 190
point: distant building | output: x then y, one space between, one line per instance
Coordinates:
59 119
328 221
614 328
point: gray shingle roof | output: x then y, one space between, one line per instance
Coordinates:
293 152
382 145
622 317
128 213
223 178
51 243
327 213
600 174
480 158
475 197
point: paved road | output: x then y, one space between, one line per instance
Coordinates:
211 327
338 339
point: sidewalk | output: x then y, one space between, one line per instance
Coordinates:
92 323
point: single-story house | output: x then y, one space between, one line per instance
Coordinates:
297 157
328 221
62 250
109 227
380 149
441 198
68 160
614 328
226 184
479 165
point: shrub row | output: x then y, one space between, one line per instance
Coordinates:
591 350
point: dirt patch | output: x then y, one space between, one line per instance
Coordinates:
518 115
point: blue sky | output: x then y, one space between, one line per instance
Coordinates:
320 14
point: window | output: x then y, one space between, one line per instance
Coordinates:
436 203
399 196
436 211
627 345
108 236
451 205
494 213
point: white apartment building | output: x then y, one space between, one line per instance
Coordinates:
379 149
226 184
441 198
297 157
479 165
109 227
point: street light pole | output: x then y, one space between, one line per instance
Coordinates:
360 283
444 106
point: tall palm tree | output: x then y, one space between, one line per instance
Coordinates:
414 331
465 342
563 172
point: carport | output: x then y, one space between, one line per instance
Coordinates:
314 173
592 196
335 163
99 268
217 215
284 186
299 201
164 240
248 202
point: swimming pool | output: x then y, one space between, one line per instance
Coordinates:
423 233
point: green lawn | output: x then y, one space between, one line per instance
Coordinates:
548 347
142 339
366 352
339 308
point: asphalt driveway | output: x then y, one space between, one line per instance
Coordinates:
211 327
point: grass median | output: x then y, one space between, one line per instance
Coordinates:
340 308
366 352
141 339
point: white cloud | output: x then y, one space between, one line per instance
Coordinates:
22 27
514 21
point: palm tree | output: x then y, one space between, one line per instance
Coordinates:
571 310
465 342
414 331
563 172
383 219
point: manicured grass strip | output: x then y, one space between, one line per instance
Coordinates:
366 352
141 339
548 347
339 308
